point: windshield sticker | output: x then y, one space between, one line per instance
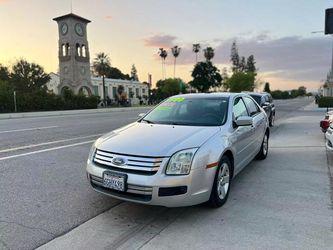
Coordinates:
176 99
163 108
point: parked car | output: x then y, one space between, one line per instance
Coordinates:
183 152
265 101
326 122
329 137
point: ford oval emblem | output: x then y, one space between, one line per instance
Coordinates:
118 161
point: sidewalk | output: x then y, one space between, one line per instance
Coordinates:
71 112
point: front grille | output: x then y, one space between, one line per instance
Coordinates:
134 192
144 165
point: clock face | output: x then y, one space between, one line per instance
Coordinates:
64 28
79 29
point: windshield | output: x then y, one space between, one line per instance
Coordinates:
190 111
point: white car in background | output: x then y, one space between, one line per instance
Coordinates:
183 152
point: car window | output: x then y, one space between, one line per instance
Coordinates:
239 108
257 98
190 111
266 98
251 105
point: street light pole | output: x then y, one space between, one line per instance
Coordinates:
103 80
15 107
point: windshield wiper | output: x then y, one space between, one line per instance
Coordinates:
148 121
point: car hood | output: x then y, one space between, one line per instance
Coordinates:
154 139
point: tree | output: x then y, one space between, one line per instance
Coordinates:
101 65
175 51
169 87
301 91
250 65
134 73
163 54
234 57
205 76
28 77
4 73
209 53
242 65
267 88
241 81
196 49
115 73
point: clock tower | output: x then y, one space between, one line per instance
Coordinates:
73 54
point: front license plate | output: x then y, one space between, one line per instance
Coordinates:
114 181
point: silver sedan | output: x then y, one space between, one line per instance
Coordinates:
183 152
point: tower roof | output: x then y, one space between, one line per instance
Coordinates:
72 15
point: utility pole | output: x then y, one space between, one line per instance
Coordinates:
15 107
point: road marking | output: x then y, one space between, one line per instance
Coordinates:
46 150
47 143
26 129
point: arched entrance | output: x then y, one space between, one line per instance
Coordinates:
84 90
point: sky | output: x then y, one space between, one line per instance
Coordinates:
277 32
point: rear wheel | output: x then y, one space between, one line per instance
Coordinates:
222 182
264 148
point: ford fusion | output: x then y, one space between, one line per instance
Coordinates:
183 152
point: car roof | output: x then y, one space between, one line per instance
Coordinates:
257 93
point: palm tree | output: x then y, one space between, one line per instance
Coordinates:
175 51
209 53
101 64
196 49
163 54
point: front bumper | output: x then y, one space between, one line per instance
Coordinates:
158 189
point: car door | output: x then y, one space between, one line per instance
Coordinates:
242 136
259 123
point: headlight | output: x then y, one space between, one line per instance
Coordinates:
91 152
180 162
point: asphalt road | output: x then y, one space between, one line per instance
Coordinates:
44 193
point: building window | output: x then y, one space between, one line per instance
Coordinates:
137 92
114 92
143 91
96 90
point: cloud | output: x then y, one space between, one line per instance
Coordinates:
106 17
158 41
293 57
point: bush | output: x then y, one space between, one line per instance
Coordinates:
325 102
40 100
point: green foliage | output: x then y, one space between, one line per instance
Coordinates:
169 87
325 102
278 94
209 53
4 73
6 97
28 77
241 81
205 76
101 64
134 73
267 88
234 57
115 73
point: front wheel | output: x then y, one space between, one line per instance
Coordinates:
222 182
264 148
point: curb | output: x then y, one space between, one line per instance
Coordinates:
70 112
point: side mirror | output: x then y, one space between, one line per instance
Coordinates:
244 121
265 104
141 115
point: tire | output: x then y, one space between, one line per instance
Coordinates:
222 183
272 120
263 149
